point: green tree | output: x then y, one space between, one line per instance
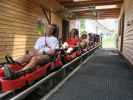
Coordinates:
82 25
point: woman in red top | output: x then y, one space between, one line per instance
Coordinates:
74 38
73 41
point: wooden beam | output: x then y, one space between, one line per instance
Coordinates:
71 4
111 12
47 14
89 1
51 5
101 10
79 9
93 17
99 13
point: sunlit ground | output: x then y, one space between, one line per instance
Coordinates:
108 42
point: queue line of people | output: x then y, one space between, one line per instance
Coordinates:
46 46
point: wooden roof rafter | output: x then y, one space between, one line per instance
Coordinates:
89 6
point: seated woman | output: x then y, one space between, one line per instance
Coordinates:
84 41
91 39
73 41
44 47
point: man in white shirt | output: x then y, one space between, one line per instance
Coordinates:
44 47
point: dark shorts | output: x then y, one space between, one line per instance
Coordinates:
44 59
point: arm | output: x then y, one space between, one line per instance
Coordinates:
40 46
55 45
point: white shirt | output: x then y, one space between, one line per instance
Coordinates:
46 43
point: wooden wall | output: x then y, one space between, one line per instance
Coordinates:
18 22
128 30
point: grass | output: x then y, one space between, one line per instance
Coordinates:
109 42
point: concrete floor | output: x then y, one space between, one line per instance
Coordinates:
104 77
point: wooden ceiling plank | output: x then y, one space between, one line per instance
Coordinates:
90 3
84 11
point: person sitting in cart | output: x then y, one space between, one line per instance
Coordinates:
84 41
44 47
73 41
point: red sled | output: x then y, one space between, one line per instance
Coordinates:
8 85
14 67
38 73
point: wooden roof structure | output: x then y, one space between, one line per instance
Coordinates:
92 8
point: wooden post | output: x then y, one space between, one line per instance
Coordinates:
122 32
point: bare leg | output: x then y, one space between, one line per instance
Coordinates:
40 59
26 58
